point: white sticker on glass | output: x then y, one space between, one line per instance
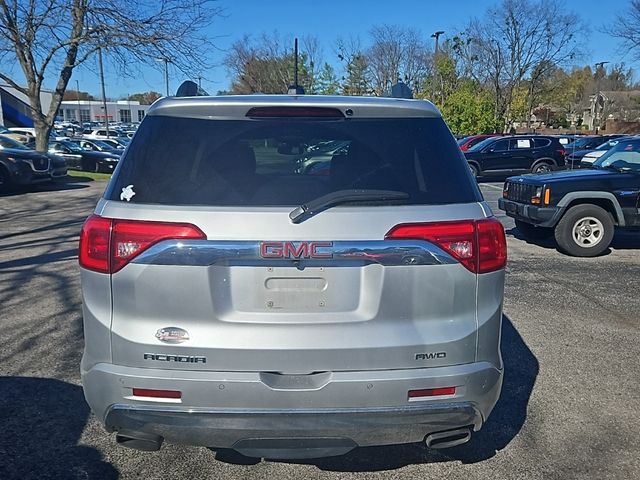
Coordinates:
127 193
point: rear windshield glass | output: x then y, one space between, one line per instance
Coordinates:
288 162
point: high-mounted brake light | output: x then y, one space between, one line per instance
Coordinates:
107 245
479 245
280 112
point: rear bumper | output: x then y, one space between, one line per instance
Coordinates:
541 216
238 410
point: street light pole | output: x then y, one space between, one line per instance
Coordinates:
78 99
104 93
598 65
435 35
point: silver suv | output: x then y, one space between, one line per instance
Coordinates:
231 300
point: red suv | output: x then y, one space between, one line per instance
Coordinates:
467 142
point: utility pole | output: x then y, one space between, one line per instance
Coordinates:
435 35
104 94
596 113
78 99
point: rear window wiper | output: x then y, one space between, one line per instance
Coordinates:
307 210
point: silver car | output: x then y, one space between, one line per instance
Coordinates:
230 302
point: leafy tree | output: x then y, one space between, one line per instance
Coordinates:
50 38
76 95
146 98
266 65
469 109
328 82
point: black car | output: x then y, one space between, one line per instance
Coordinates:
580 208
83 159
20 165
516 154
96 145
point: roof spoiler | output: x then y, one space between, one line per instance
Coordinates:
190 89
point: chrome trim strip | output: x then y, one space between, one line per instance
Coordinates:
338 254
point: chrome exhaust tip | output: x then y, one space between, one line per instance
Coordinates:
449 438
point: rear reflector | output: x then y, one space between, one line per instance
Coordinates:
107 245
479 245
147 392
309 112
432 392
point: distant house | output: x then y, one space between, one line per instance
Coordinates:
613 105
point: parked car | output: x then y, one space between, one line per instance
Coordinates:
590 157
580 208
231 302
465 143
320 155
21 166
18 137
516 154
82 159
96 145
585 145
117 144
100 133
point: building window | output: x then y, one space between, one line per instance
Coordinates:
70 114
125 116
140 115
85 115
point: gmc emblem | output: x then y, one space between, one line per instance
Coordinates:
295 249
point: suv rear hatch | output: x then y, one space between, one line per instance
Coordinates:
385 282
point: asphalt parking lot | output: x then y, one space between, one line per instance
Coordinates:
569 407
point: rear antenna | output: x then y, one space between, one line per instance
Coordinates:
295 89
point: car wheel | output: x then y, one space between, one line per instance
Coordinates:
474 170
532 232
585 231
542 167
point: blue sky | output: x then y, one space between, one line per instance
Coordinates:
330 19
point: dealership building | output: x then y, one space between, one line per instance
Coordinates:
125 111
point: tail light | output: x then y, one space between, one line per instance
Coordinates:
432 392
562 152
107 245
148 392
479 245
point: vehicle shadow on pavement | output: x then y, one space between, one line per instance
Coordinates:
42 420
74 183
507 419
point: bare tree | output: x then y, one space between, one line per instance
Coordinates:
50 38
519 40
265 64
626 28
397 53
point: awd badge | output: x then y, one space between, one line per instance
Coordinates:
172 335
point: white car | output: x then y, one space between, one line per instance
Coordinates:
30 133
100 133
591 157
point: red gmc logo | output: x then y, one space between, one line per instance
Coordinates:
295 249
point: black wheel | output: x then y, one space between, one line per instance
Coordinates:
474 170
532 232
584 231
5 180
541 167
